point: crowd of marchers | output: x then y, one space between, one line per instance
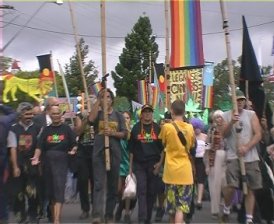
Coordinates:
172 163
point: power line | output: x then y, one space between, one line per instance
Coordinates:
119 37
23 26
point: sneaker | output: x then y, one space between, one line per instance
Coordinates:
225 218
84 215
159 214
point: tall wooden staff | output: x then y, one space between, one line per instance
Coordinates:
104 69
233 91
79 56
167 73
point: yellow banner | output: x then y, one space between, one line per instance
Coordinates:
186 84
34 87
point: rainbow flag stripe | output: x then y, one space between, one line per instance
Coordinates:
95 88
142 94
155 96
207 97
186 34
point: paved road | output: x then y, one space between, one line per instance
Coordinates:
72 211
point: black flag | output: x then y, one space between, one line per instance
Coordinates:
250 76
45 67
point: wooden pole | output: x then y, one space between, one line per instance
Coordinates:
149 92
233 90
167 73
79 56
104 71
54 78
66 89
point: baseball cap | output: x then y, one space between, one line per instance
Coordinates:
147 106
240 95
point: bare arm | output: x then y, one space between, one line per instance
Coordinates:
228 126
256 128
79 125
13 158
94 111
130 163
117 134
35 158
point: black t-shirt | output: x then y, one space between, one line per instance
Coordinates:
144 143
26 138
60 138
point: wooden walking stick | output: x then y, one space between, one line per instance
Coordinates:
233 92
104 65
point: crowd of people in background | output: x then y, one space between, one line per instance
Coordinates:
175 162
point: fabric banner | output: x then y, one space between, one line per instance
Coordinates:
186 34
136 105
250 70
208 76
186 83
160 74
46 72
250 77
142 92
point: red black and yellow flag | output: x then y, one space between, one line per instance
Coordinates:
46 72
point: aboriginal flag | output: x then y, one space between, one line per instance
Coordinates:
46 72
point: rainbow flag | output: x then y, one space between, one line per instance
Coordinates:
95 88
142 93
207 97
208 76
155 96
186 34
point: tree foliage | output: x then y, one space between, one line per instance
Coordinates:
222 97
5 63
73 73
134 61
121 104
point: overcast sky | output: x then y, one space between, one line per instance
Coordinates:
51 29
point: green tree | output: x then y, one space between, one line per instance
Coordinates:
121 104
222 97
5 63
134 60
73 73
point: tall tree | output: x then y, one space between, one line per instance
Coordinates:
5 63
73 73
135 59
222 99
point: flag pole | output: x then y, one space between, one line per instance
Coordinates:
66 89
104 71
54 78
233 90
167 73
79 56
